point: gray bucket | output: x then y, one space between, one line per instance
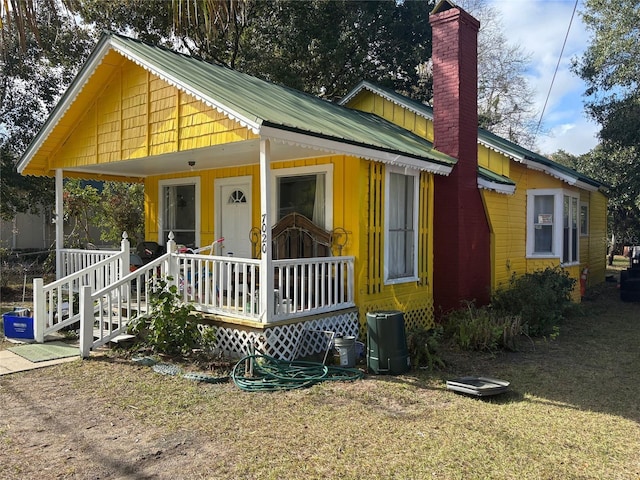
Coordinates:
346 347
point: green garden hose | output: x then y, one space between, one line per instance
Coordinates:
266 374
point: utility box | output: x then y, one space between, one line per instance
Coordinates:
387 351
18 324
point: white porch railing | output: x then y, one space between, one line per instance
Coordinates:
221 285
229 285
57 305
74 260
108 312
309 286
105 297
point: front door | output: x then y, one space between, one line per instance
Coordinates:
233 198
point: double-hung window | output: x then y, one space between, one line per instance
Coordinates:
401 226
552 224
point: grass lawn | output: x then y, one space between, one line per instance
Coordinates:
573 412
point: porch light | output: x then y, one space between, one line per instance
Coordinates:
191 164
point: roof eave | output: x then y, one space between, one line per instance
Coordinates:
496 187
317 142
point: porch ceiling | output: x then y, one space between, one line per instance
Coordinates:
228 155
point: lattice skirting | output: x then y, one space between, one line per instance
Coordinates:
288 342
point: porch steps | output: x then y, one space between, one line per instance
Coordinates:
117 319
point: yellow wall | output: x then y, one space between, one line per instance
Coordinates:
354 181
135 115
507 213
594 253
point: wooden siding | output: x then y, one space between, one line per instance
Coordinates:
597 248
137 114
494 161
507 214
366 101
414 299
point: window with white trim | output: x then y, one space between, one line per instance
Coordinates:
401 226
179 210
304 190
552 224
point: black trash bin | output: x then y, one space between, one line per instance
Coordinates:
387 351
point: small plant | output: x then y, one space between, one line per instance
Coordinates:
171 326
482 328
540 298
423 345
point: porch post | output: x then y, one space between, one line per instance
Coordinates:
126 259
125 264
39 311
266 265
173 268
59 220
86 321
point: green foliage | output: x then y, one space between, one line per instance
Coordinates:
35 69
423 345
171 326
122 210
540 298
482 328
81 207
610 67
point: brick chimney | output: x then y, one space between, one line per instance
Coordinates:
462 260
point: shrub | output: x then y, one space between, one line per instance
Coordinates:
423 345
540 298
481 328
172 326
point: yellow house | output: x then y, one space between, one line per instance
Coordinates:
285 216
326 212
540 213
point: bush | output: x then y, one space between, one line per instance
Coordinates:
540 298
482 328
423 345
172 326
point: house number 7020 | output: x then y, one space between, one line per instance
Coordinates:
263 230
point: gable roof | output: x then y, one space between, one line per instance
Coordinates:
490 140
272 111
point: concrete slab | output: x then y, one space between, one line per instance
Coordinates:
12 363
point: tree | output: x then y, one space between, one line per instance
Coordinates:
505 105
31 80
326 48
611 69
122 210
81 206
619 168
212 30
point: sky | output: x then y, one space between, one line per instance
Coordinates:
540 27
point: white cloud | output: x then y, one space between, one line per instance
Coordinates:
540 27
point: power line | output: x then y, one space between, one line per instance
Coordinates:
575 6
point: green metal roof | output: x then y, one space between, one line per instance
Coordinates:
484 136
258 102
494 177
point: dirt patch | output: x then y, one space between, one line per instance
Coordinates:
50 429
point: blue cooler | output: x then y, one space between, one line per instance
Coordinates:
18 324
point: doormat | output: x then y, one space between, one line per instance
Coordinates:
41 352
